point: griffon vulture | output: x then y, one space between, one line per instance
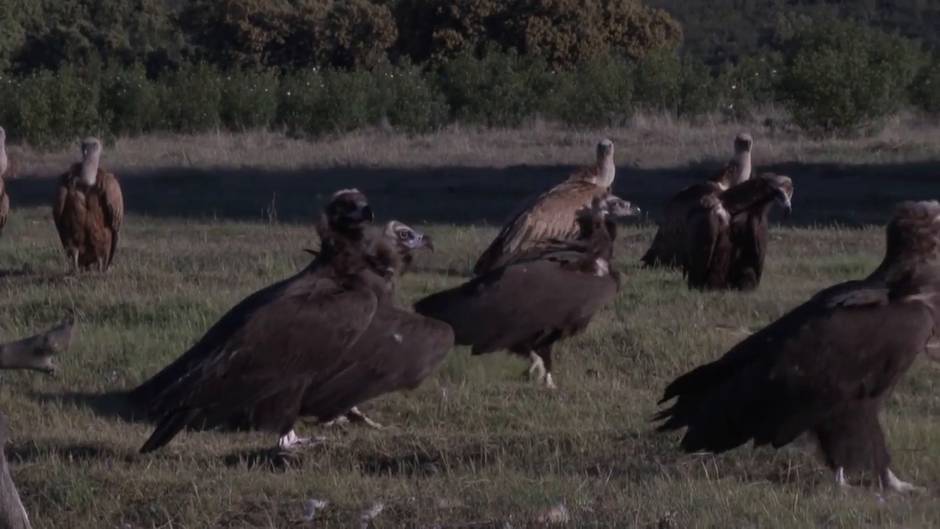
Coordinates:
826 367
12 513
6 168
289 349
668 245
88 211
550 292
553 215
727 233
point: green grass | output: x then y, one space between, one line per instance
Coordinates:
474 446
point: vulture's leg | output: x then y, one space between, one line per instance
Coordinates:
840 478
73 261
891 482
537 368
351 416
545 353
291 441
354 415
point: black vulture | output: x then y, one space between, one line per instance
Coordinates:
826 367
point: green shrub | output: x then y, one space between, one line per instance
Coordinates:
409 100
249 99
597 93
657 81
925 91
500 89
698 90
316 102
191 97
130 103
46 109
843 76
750 84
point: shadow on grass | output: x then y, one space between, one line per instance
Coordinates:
825 193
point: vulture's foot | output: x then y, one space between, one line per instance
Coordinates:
549 381
536 369
291 441
354 415
892 483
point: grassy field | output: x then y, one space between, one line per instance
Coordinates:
476 445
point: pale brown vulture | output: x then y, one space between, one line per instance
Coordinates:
6 168
12 513
727 233
291 348
88 211
668 245
548 293
553 214
826 367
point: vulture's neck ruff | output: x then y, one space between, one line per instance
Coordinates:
606 170
742 172
4 161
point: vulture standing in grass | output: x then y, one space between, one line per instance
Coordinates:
826 367
668 245
548 293
88 211
34 353
6 170
727 233
291 349
553 215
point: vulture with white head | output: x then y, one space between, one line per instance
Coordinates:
727 233
548 293
88 211
668 245
826 367
291 349
553 214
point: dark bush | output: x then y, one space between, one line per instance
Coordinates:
750 84
658 79
46 108
191 98
698 90
249 99
316 102
500 89
409 100
598 93
843 76
130 102
925 91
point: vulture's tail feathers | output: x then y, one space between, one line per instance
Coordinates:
167 429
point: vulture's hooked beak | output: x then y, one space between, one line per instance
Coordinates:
784 200
420 240
363 214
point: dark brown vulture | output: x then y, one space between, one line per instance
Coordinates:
553 214
826 367
6 168
88 211
668 245
727 233
296 347
548 293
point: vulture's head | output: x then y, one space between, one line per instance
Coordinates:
743 143
91 148
781 188
913 238
605 150
407 238
348 210
615 207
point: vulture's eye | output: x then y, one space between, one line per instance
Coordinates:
405 235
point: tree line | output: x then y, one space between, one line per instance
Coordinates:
313 67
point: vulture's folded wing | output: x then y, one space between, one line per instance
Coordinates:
396 352
707 248
261 370
553 215
504 306
847 343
